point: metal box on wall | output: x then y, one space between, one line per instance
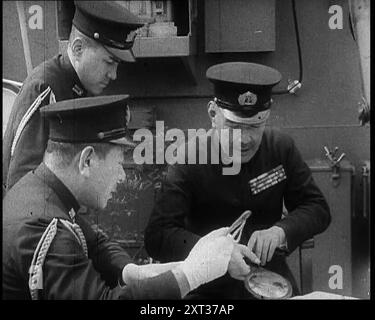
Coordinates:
239 25
154 39
326 265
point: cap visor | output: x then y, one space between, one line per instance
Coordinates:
123 55
258 118
123 141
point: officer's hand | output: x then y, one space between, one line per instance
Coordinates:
209 258
238 268
133 273
264 242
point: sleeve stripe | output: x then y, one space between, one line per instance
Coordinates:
34 106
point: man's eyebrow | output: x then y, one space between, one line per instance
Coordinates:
227 121
241 125
114 58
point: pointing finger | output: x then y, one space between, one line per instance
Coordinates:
259 246
246 252
252 241
265 247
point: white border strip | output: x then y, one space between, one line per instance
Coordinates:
27 117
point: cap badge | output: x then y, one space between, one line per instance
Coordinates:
247 99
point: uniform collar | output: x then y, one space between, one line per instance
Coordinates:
64 194
76 85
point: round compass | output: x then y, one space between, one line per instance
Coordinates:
265 284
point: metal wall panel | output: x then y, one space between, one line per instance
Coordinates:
332 250
239 25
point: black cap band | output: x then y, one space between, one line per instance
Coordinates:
93 119
243 87
247 111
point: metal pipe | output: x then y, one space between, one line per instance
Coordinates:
12 83
360 18
25 39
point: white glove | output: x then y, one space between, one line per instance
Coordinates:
134 273
209 258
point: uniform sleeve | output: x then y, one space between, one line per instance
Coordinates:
70 275
29 150
161 287
108 257
166 237
308 211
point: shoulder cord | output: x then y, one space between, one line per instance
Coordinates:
77 232
35 271
34 106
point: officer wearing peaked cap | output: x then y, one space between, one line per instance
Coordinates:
51 252
102 36
109 23
93 119
244 89
195 198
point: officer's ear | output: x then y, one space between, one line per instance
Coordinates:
86 161
77 47
212 112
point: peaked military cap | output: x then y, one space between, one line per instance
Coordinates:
109 23
243 90
89 120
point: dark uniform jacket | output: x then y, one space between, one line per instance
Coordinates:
26 135
68 273
197 198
